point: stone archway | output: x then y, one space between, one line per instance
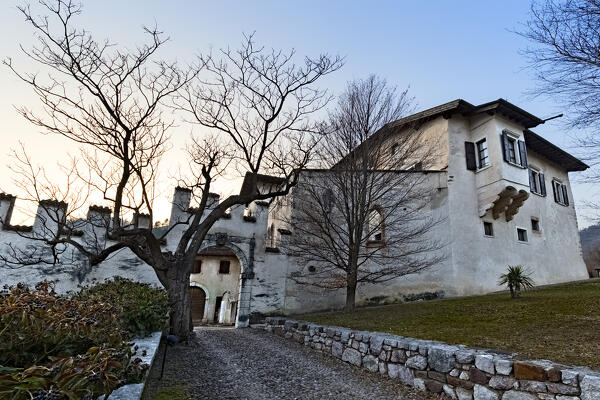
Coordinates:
241 301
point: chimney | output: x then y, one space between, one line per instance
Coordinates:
7 204
181 203
50 216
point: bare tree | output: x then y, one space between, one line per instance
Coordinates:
111 101
363 218
565 55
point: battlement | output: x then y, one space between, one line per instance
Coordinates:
51 218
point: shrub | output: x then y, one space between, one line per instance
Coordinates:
143 308
516 278
38 324
98 371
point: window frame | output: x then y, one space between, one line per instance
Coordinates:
526 236
559 195
537 181
513 142
478 158
491 225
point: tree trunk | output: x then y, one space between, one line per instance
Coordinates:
180 302
351 287
512 291
350 298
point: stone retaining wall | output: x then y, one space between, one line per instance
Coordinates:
461 372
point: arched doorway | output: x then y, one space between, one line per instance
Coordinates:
198 300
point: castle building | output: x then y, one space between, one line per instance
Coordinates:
502 191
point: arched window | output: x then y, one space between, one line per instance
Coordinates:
376 226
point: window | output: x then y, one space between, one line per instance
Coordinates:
224 267
327 200
488 229
535 225
514 150
522 235
537 183
395 149
197 268
375 226
560 193
512 154
482 154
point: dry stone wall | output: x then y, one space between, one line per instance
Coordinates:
461 372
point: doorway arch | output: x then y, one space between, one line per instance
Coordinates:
198 303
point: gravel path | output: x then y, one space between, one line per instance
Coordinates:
253 364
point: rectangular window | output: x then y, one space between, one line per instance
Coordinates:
482 154
535 225
512 155
197 268
560 193
522 235
395 148
515 150
488 229
224 267
537 182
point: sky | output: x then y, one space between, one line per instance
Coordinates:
441 50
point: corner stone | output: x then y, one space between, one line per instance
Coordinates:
352 356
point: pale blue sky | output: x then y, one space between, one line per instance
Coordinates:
442 50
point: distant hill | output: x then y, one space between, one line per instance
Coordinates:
590 238
590 243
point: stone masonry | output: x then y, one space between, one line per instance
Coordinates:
461 372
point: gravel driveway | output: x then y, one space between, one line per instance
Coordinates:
253 364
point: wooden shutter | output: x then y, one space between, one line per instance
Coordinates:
523 152
505 151
542 184
554 191
470 154
566 196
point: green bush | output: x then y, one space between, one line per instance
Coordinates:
143 308
38 324
98 371
516 278
74 347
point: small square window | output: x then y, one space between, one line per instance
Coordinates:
488 229
522 235
535 225
224 267
197 268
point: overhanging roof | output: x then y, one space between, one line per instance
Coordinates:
552 152
501 107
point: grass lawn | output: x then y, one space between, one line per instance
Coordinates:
559 323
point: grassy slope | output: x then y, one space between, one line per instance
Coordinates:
560 323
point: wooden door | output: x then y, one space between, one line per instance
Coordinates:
198 298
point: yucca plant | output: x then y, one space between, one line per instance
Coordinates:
516 278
